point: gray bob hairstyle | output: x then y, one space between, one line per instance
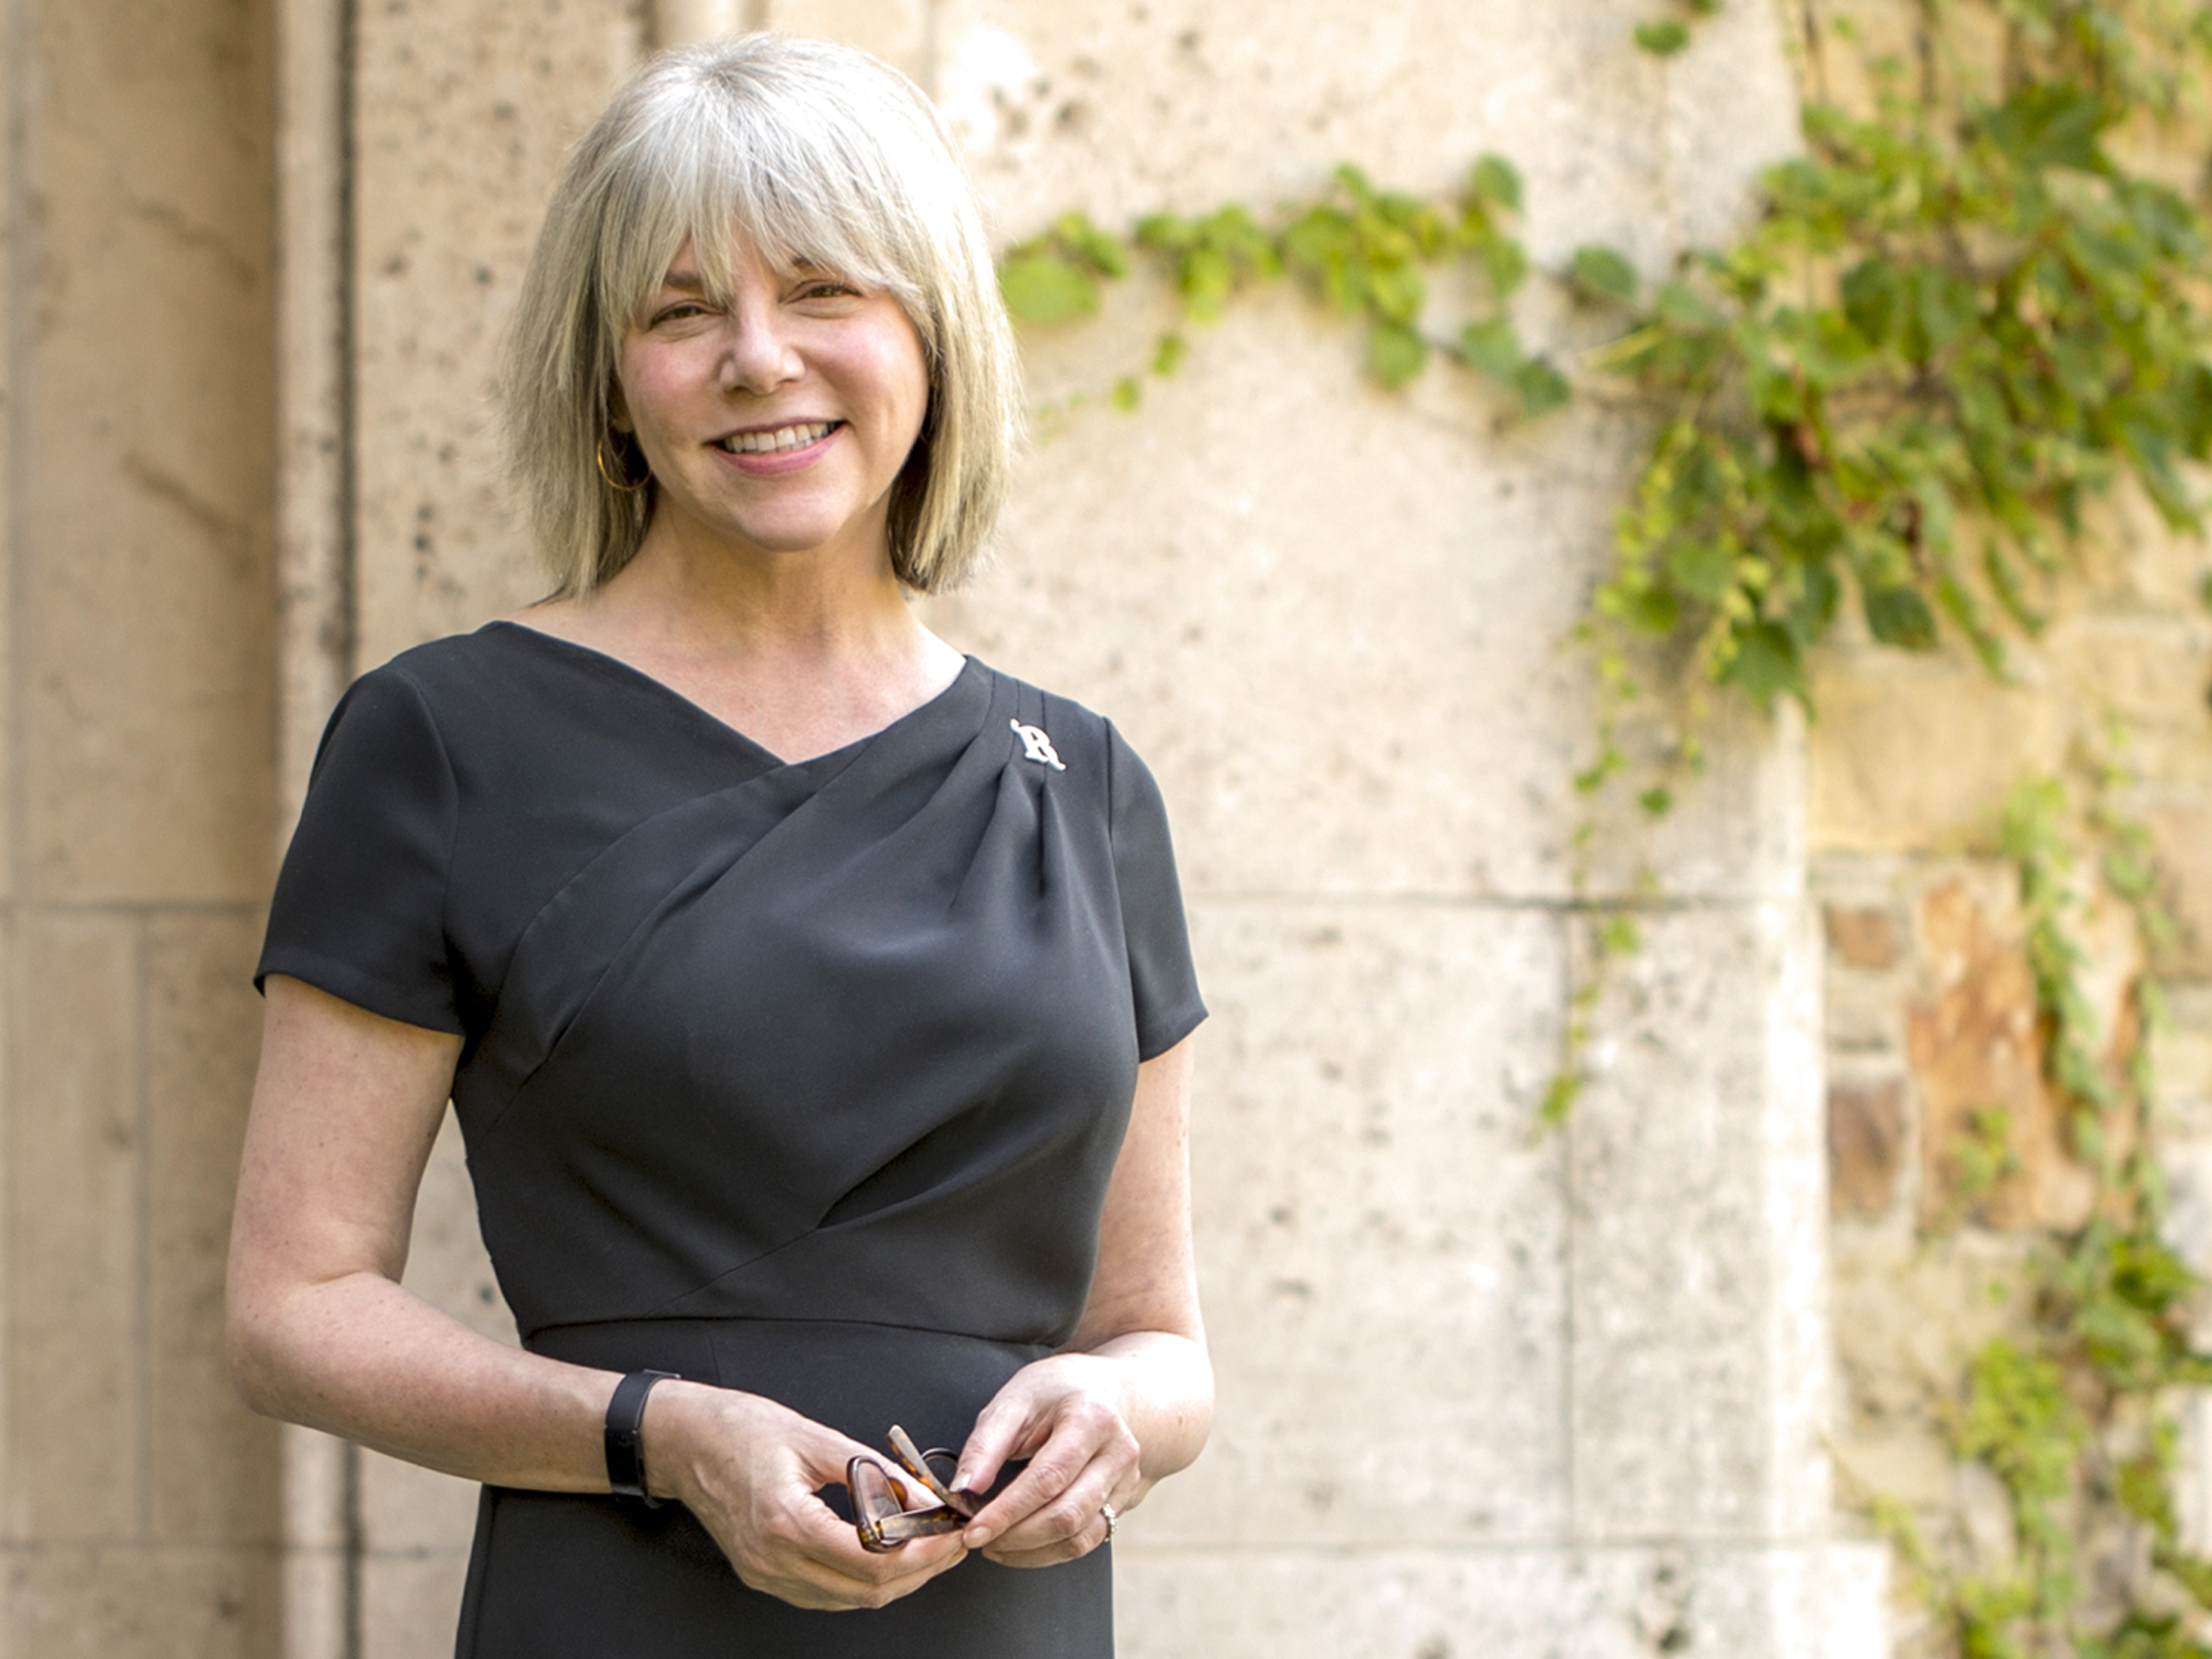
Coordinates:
810 152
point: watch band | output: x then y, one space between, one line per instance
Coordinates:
625 1418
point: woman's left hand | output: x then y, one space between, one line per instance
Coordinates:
1064 1415
1127 1402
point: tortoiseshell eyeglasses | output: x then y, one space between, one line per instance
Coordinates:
914 1500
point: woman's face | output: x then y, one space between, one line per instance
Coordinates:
777 421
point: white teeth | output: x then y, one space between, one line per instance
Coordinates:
784 437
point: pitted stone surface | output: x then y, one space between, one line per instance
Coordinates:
1188 104
143 552
1382 1238
466 108
1336 625
1821 1602
1700 1396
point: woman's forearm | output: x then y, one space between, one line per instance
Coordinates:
365 1358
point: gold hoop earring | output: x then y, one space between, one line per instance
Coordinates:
623 483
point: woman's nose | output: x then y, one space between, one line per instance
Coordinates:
760 355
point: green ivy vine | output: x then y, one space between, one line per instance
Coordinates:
1963 312
1363 252
1953 323
2072 1415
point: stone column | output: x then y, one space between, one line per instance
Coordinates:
140 1514
315 659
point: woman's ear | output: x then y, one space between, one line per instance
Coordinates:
617 410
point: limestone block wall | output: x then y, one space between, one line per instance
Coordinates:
139 1511
1483 1391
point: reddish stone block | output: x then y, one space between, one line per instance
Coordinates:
1975 1048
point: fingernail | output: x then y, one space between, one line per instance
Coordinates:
976 1537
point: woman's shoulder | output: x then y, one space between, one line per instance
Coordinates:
1074 734
464 664
506 677
510 707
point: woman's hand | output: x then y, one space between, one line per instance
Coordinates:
1129 1399
1064 1414
749 1469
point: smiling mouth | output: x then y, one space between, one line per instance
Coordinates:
783 438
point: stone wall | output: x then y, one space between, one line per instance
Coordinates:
1483 1390
1930 1010
1932 1034
137 372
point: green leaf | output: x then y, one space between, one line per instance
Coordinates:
1957 601
1619 936
1047 288
2151 448
1873 295
1395 353
1663 40
1396 293
2045 126
2191 1572
1656 801
1169 232
1818 596
1101 250
1704 570
1767 663
2193 397
1944 306
2147 1273
1505 262
1128 393
1168 355
1492 348
1604 273
2010 587
2019 1419
1899 617
1542 388
1559 1098
1656 610
1497 182
1207 279
1680 306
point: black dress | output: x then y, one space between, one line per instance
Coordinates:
800 1078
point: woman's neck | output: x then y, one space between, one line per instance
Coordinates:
804 652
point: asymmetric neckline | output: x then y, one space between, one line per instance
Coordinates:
605 662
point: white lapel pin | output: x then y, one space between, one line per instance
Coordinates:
1037 747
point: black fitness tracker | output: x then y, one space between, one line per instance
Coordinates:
625 1418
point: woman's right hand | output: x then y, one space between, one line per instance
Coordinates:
749 1469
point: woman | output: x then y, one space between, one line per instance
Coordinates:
815 1001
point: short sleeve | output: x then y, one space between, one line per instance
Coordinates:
1161 976
360 906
